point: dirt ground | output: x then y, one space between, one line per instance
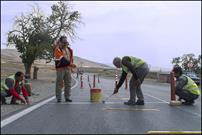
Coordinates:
42 88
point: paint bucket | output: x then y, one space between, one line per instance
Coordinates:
95 95
27 85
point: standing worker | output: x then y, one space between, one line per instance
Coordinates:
12 86
139 70
64 64
186 88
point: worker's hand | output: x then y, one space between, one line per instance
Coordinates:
137 82
72 65
115 90
23 101
28 101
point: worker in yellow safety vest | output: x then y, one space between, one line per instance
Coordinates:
139 70
13 86
186 88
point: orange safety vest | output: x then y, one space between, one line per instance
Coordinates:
60 60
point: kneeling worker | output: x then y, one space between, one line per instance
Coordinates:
12 86
186 88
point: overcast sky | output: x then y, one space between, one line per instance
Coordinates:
155 31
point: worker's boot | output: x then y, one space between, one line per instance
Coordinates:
140 102
129 102
68 100
191 102
58 100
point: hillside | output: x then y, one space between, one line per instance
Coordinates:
13 56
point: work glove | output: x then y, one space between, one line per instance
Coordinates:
115 90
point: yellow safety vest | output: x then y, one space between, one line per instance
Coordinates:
3 84
191 86
135 62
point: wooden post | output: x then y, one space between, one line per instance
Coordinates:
35 72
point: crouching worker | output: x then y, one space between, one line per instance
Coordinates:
12 86
186 88
139 70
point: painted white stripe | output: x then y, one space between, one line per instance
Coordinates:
28 110
199 115
88 102
157 98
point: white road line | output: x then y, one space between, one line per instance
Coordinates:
157 98
196 114
28 110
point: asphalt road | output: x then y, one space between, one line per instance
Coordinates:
113 117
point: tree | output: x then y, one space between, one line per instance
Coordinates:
188 62
176 61
34 34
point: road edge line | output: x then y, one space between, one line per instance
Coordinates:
14 117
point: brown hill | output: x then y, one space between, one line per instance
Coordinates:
11 55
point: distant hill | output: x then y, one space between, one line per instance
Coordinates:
13 55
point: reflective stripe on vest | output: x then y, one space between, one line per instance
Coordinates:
3 84
136 62
191 86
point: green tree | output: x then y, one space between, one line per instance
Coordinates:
33 34
176 61
186 60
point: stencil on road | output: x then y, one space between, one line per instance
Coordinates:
130 109
120 98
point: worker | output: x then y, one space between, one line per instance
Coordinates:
139 70
12 86
186 88
63 64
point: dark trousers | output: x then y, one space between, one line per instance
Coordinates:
186 95
134 90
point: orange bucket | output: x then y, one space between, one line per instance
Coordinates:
95 94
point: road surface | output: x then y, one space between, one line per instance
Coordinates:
113 117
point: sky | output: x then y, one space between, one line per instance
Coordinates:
155 31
